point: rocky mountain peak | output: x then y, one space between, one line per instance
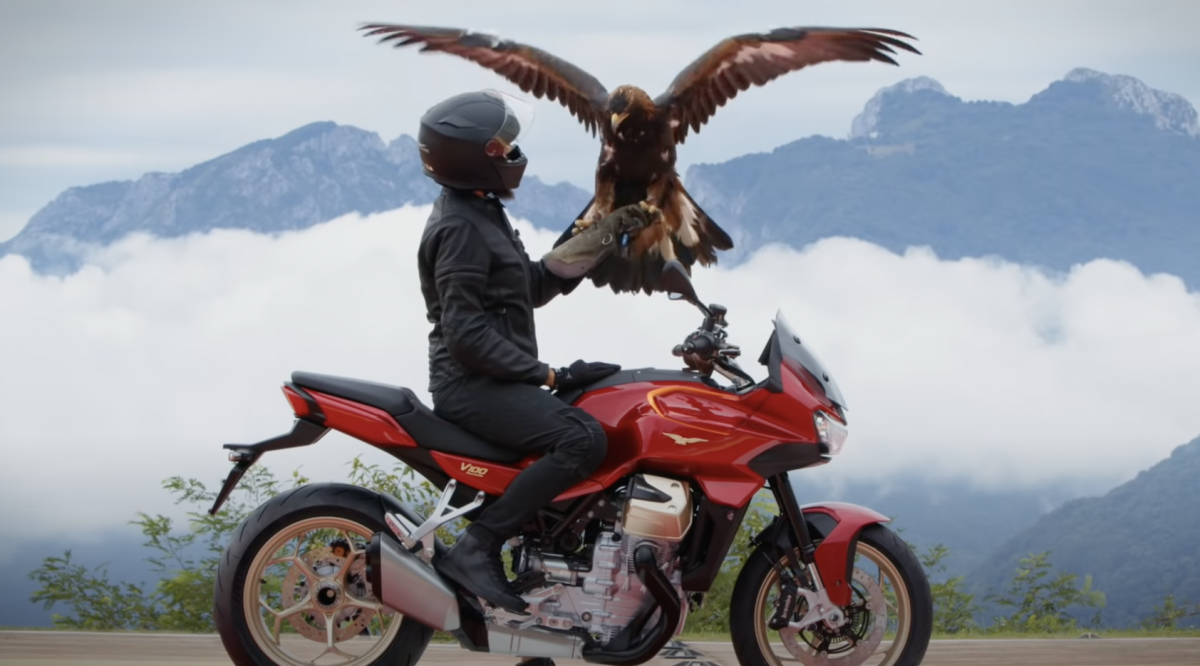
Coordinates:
866 123
309 175
1170 111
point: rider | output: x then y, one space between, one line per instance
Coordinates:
480 289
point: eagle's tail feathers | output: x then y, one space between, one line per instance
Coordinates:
710 235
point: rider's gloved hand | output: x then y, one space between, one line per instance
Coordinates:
576 255
630 219
581 373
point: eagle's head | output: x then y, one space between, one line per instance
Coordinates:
630 112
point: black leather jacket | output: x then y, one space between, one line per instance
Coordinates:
480 289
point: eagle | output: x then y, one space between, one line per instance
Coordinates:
639 134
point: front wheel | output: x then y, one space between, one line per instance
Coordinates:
890 612
292 587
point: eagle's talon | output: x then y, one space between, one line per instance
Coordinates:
654 212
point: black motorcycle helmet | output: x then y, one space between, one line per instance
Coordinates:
469 141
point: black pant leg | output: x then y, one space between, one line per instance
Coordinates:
531 420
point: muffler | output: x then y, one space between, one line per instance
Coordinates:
401 580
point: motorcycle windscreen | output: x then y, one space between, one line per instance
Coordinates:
791 347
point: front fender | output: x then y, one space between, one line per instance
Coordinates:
834 527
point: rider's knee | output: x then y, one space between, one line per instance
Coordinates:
591 444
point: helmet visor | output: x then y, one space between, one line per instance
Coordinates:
518 118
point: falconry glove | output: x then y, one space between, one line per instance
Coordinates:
597 242
581 373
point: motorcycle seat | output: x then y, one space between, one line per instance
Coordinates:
427 429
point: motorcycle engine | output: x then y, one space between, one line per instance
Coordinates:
603 595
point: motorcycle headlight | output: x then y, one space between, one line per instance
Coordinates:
830 432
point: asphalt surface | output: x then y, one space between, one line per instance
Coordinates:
43 648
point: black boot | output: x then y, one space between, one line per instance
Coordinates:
474 563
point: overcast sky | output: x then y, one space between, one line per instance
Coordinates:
96 91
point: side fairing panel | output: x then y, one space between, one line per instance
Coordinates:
370 424
494 478
680 430
699 408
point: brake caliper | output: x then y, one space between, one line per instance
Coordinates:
785 604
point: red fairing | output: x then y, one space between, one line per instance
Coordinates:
493 478
832 554
686 430
682 429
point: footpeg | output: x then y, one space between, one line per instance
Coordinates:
423 535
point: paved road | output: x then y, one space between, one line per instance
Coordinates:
76 649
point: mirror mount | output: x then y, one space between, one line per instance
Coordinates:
678 285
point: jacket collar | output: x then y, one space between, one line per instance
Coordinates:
487 201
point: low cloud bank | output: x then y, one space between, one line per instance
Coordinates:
141 365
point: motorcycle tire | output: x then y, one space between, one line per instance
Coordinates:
749 609
352 508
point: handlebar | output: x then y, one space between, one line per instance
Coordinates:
702 343
706 350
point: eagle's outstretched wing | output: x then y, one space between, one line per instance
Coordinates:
531 69
740 61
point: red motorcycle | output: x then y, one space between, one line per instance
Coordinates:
613 565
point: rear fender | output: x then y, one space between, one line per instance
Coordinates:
835 526
304 433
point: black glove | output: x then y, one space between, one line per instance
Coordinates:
581 373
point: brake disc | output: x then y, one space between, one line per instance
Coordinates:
348 621
848 645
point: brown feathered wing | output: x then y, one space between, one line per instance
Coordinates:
531 69
737 63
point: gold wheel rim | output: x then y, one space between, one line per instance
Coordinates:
312 589
899 609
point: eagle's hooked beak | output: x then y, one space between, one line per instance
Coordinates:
618 118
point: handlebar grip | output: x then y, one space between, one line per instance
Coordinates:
702 343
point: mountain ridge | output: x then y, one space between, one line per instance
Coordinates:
1125 539
1076 173
1092 166
309 175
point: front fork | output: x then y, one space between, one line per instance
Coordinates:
798 576
804 571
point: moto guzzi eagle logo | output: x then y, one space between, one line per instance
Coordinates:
684 441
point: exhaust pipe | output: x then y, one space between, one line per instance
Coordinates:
400 580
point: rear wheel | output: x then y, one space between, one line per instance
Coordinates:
292 587
890 613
